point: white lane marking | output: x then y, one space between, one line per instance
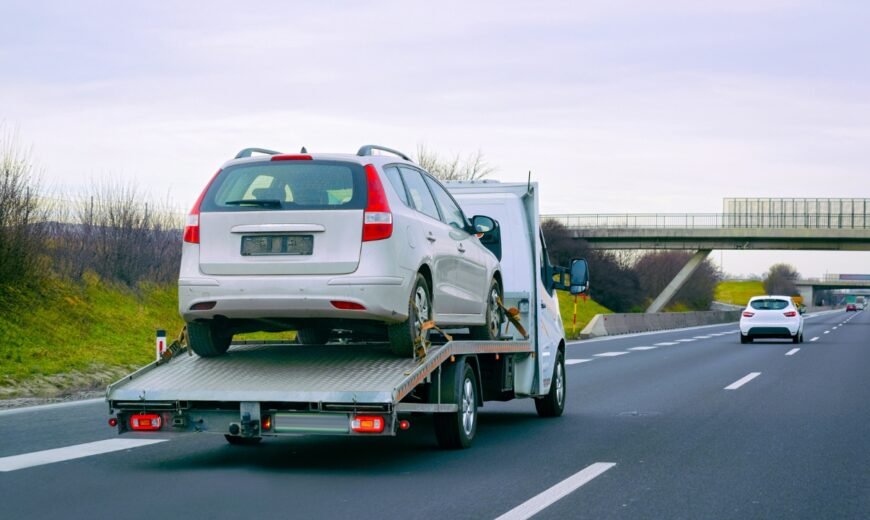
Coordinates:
827 332
742 381
685 340
52 406
834 328
548 497
666 343
611 354
577 361
792 352
815 339
642 348
653 332
38 458
704 337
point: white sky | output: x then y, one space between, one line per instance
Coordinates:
615 106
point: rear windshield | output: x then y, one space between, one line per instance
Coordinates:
287 185
769 304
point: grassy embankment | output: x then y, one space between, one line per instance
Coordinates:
82 336
738 292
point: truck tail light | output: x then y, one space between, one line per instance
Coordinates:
191 227
747 314
790 314
145 422
266 423
377 218
367 424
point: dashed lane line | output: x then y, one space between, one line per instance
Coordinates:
611 354
39 458
577 361
742 381
792 352
642 348
827 332
688 340
814 339
548 497
666 343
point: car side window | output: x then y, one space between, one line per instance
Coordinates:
396 180
450 212
418 191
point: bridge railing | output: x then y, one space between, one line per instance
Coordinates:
710 221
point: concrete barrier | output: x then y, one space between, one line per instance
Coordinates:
610 324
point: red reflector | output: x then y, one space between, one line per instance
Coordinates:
367 424
146 422
404 425
347 306
748 314
790 314
266 423
291 157
377 219
203 306
113 422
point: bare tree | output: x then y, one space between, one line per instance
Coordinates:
780 279
458 168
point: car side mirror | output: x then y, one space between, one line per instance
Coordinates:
488 232
579 276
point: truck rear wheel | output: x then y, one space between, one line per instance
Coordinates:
491 330
402 335
456 430
208 339
553 404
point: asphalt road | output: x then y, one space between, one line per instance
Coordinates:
792 441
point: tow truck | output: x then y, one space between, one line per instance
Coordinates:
273 388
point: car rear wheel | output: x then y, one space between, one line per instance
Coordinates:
402 335
312 336
494 316
745 339
796 338
208 339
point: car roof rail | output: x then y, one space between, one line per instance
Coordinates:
367 150
248 151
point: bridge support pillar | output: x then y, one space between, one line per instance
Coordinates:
679 281
806 292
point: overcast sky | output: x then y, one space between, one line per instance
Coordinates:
614 106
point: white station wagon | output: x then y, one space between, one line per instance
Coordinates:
367 244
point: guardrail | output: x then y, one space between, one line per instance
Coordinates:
710 221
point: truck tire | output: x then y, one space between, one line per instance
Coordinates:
456 430
235 440
553 404
312 336
494 316
208 339
402 335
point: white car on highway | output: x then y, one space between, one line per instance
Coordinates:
771 317
369 244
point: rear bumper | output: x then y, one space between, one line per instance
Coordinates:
385 298
769 332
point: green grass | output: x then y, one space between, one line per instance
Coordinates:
586 310
738 292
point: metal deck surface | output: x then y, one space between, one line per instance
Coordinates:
293 373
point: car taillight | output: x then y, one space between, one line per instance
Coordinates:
377 219
790 314
747 314
367 424
145 422
191 227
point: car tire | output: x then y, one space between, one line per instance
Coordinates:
312 336
402 335
456 430
745 339
493 315
553 404
235 440
208 339
796 338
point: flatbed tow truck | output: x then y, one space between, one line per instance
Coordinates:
266 388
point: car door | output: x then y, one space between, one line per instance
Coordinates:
468 279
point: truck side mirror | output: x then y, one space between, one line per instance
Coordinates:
579 276
488 232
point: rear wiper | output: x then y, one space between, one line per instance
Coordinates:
264 203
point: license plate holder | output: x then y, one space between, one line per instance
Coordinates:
277 245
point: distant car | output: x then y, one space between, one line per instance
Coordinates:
860 306
851 307
771 317
368 244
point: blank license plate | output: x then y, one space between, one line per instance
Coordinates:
260 245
